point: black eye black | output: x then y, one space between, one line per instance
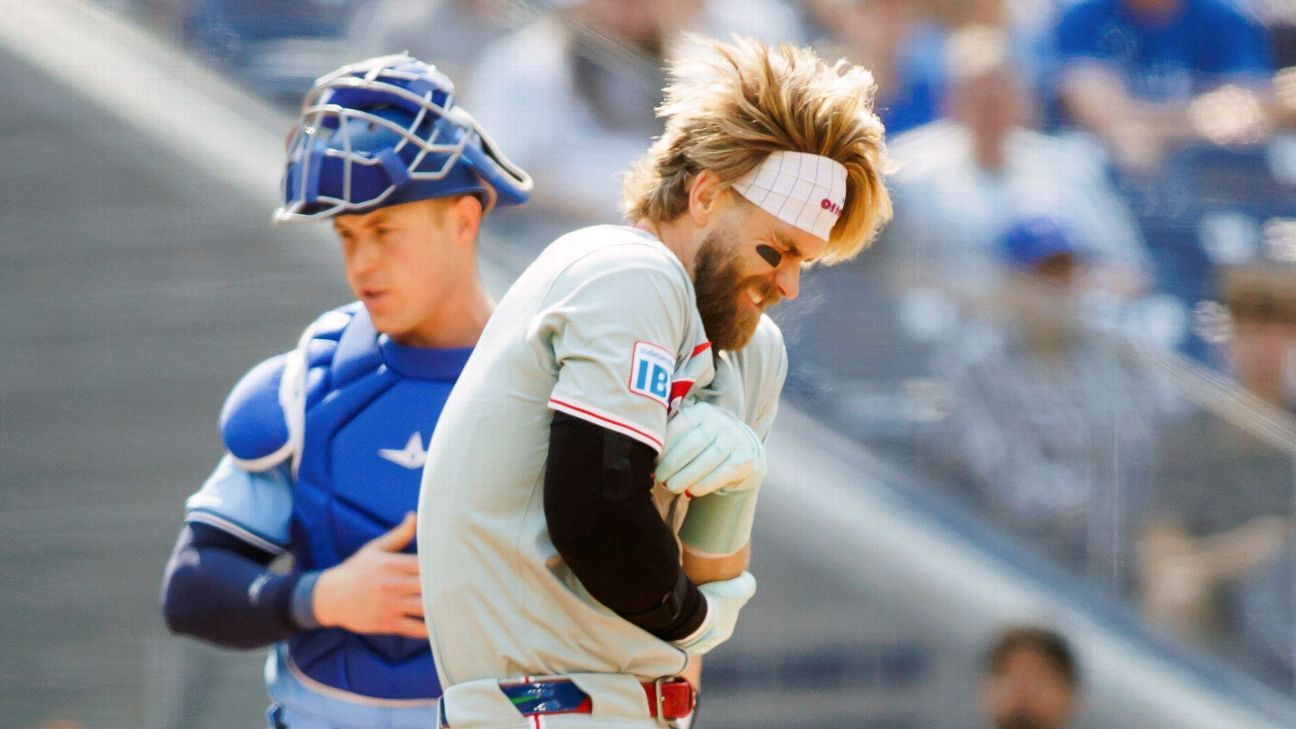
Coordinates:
770 254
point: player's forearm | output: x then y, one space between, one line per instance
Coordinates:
219 590
603 522
719 526
704 568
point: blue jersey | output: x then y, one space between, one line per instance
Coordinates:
917 92
1201 45
326 449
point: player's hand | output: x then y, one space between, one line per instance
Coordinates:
709 449
376 590
725 599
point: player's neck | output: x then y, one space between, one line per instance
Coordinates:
458 320
683 243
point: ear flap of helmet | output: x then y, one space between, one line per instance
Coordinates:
512 184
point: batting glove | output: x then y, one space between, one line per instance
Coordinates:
709 449
725 599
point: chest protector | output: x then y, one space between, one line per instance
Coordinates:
355 414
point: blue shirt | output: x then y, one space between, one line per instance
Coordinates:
1203 44
920 81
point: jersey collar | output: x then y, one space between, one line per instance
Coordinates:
423 363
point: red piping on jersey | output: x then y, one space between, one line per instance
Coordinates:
680 388
700 349
606 419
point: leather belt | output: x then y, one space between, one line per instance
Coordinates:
668 698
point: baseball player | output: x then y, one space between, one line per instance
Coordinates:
326 443
569 573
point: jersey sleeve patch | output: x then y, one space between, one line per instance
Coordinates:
651 368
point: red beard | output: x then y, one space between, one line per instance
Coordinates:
727 312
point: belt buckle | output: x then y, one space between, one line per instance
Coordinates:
659 697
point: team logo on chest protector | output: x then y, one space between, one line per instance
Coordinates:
412 456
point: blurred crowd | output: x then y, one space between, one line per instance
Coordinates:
1095 230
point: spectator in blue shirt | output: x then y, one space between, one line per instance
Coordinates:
902 48
1136 71
966 178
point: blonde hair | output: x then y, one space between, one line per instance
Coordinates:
735 103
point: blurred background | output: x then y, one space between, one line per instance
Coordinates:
1058 391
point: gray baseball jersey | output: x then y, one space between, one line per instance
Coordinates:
602 326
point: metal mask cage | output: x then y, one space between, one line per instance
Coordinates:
357 95
325 132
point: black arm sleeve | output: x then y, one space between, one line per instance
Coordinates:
217 588
598 504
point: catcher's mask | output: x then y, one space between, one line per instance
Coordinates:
387 131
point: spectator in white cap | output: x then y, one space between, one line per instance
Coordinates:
962 180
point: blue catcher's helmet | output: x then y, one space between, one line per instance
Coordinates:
387 131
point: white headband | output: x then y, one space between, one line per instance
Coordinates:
803 190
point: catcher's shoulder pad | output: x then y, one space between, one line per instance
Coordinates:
257 421
252 422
